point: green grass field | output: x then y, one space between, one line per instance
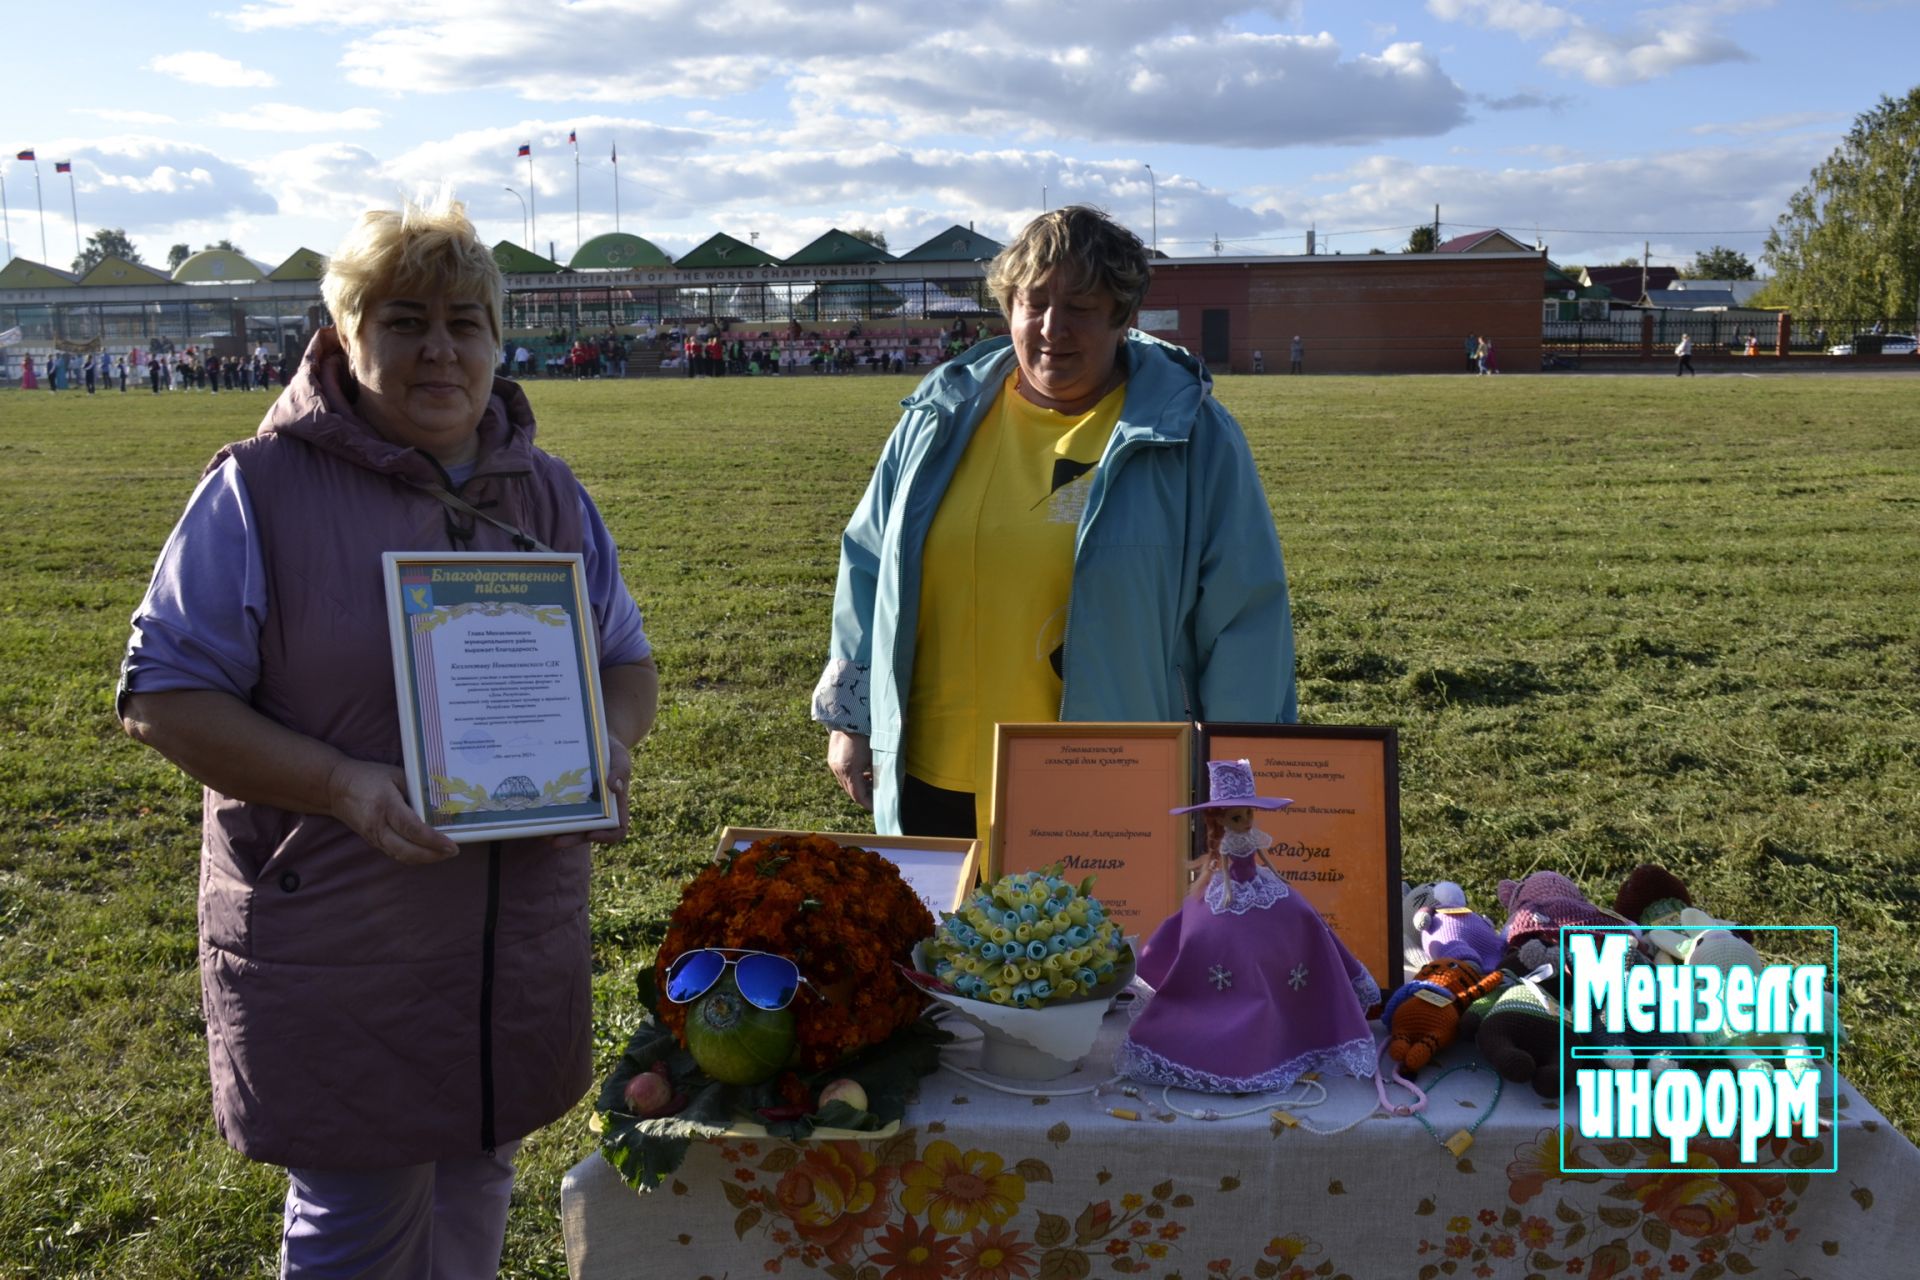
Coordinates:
1615 619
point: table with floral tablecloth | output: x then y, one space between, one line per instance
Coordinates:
984 1185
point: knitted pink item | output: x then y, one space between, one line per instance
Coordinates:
1538 906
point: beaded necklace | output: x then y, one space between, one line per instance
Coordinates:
1463 1138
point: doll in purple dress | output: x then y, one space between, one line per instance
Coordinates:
1251 989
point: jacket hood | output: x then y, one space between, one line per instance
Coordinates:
1166 384
318 407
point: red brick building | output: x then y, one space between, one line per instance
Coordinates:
1360 313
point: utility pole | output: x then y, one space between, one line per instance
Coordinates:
1436 226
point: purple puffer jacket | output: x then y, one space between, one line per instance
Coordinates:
361 1013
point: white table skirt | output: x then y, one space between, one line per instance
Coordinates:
981 1185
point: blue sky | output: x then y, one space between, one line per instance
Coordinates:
1594 127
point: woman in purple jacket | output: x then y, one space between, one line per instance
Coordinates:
388 1013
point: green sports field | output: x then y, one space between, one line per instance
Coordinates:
1615 619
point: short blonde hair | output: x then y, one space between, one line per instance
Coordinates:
1095 254
426 250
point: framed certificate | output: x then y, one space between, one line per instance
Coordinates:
1094 798
942 871
496 663
1338 843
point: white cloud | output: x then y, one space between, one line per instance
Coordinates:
283 117
209 69
1584 210
1136 70
1231 89
1662 42
141 182
1769 124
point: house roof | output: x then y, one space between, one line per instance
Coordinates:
217 266
1494 241
722 250
301 264
618 251
1690 299
836 247
116 270
515 261
1625 281
955 244
22 273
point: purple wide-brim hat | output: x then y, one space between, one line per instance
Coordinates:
1230 786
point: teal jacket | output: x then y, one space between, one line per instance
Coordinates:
1178 608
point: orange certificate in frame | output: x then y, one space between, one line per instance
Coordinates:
1095 799
1338 843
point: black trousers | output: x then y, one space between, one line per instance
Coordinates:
927 810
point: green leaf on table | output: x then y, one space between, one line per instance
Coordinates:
1657 1233
1051 1230
1033 1170
1064 1264
747 1221
1059 1133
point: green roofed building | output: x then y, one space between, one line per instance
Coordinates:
837 247
722 250
218 266
22 274
618 251
515 261
955 244
303 264
111 270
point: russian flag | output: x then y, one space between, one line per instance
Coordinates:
571 139
25 155
63 166
526 148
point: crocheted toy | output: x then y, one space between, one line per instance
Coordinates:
1459 933
1519 1034
1540 904
1424 1015
1652 895
1418 898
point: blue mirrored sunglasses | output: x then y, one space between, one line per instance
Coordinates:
766 980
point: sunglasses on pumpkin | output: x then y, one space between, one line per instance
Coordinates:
766 981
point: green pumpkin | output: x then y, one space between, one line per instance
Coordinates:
736 1042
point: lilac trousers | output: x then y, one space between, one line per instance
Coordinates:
441 1221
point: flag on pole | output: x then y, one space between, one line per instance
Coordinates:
25 155
526 149
63 166
573 139
616 153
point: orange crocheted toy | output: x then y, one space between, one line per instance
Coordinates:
1424 1015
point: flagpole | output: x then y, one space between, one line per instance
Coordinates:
616 187
43 212
6 217
576 190
75 199
533 211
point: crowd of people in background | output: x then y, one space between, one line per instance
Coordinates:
709 350
160 366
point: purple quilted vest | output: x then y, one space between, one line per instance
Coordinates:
361 1013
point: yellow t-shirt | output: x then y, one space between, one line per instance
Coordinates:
995 576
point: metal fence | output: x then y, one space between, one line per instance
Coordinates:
1722 333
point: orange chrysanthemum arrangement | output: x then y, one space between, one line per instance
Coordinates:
842 914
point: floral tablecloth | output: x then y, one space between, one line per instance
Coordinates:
983 1185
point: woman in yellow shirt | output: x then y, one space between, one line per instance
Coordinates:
1063 525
